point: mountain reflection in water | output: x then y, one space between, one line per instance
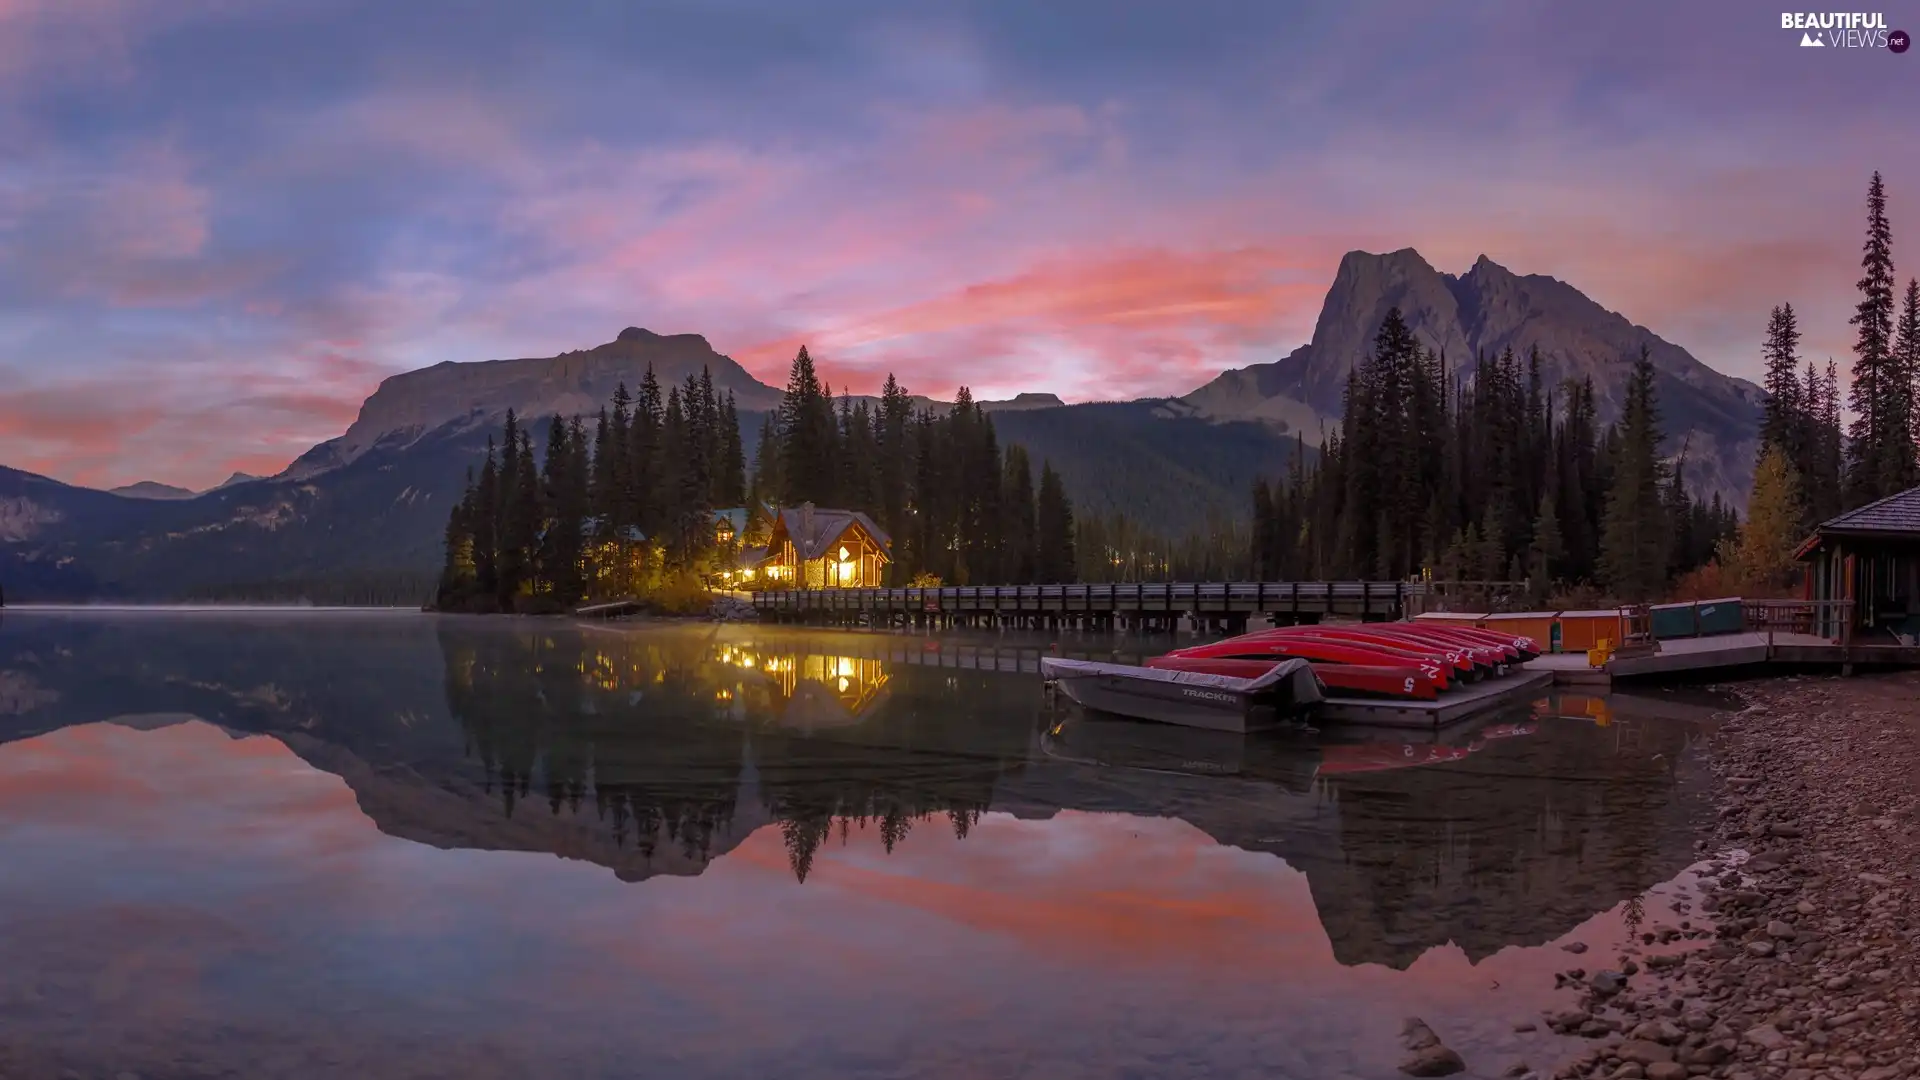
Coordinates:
677 751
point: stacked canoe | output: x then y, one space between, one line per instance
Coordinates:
1407 660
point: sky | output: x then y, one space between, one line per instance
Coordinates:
223 222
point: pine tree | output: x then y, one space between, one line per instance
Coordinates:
1020 536
1905 353
767 488
1785 421
1635 534
892 425
1054 540
731 483
1546 548
1826 485
457 572
1880 447
806 435
1265 531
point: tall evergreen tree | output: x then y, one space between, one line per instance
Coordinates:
731 482
767 488
1785 423
1880 451
807 436
1635 534
1020 537
1054 535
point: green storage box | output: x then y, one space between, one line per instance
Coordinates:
1724 616
1675 621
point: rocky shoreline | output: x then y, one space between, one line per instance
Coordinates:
1798 959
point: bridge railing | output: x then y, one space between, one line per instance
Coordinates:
1235 597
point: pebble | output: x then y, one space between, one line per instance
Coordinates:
1806 962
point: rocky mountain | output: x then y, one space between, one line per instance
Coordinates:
150 489
236 478
1489 308
359 518
409 405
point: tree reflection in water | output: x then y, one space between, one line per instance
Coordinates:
668 734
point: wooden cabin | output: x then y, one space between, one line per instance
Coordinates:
813 548
1869 557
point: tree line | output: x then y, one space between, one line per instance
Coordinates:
958 508
627 509
1808 470
1487 474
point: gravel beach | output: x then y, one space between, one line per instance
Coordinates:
1798 960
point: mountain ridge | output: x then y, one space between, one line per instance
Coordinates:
1488 309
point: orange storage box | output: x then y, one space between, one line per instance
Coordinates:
1582 630
1541 626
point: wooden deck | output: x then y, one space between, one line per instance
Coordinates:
1751 649
1460 703
1384 599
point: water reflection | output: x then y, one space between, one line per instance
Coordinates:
849 817
656 752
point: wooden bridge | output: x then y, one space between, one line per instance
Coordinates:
1131 605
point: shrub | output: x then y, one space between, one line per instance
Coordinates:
681 593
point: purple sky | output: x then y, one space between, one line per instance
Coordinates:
222 222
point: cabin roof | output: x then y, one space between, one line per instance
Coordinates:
814 530
1896 516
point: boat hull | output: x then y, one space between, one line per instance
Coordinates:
1285 693
1372 680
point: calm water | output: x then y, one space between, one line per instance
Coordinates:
393 845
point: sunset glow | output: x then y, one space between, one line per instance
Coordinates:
221 225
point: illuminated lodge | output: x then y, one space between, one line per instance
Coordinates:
811 548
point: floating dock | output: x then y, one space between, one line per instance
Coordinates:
1460 703
1680 656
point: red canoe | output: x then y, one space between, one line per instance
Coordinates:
1529 648
1377 680
1404 648
1505 647
1322 650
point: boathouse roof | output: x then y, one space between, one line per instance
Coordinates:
1894 515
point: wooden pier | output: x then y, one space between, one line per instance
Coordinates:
1145 606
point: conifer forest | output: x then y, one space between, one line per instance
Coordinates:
1440 469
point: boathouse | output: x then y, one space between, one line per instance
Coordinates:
815 548
1869 558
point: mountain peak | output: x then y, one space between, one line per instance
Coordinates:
636 333
1486 311
150 489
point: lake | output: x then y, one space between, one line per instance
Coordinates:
390 844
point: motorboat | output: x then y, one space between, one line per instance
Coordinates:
1367 680
1286 692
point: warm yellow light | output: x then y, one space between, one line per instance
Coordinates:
844 553
843 684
